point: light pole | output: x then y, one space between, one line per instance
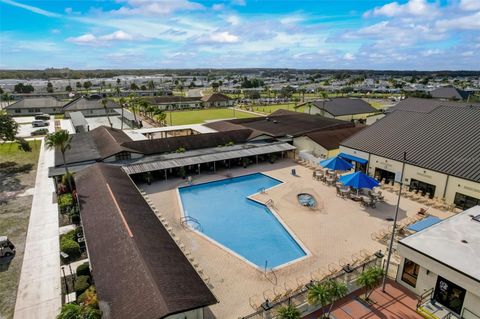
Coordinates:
389 256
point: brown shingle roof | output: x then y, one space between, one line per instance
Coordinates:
190 142
282 122
139 270
36 102
330 140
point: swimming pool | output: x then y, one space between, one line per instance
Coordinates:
243 226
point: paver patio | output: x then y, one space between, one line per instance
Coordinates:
335 230
395 303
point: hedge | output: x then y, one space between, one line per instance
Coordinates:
83 270
81 284
64 201
70 247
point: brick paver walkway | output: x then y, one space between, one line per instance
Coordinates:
395 303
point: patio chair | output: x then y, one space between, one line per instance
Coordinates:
278 292
255 302
333 268
343 262
355 259
365 254
301 281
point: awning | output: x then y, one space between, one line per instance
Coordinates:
353 158
206 158
424 223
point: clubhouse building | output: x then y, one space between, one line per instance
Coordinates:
430 145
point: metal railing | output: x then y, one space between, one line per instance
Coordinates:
424 297
299 297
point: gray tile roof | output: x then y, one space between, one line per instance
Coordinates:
83 103
449 92
37 102
424 105
446 140
345 106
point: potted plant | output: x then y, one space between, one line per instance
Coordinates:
370 279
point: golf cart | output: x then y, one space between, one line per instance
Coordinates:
7 249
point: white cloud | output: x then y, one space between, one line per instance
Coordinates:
157 7
218 7
239 2
469 22
470 5
90 39
349 56
223 37
233 20
412 8
32 8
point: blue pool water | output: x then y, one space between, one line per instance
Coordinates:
248 228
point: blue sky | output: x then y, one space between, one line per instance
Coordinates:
353 34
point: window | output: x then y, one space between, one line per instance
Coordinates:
18 111
449 294
410 272
37 110
464 202
422 187
31 110
123 156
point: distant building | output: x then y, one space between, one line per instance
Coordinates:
175 102
79 122
90 107
32 106
216 100
449 93
341 108
441 264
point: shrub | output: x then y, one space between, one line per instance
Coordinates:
89 297
70 247
66 177
71 235
81 284
65 201
83 270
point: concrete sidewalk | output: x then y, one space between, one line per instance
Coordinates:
39 290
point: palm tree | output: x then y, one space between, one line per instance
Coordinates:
370 279
288 312
104 103
324 97
61 140
132 103
326 293
122 102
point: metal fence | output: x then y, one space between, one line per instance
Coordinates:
299 298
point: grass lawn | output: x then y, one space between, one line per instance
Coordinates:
17 174
267 109
199 116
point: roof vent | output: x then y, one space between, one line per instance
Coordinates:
476 218
275 121
267 118
464 241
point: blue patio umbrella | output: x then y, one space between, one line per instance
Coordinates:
336 163
359 180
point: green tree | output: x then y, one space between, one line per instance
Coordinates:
78 85
326 293
134 86
49 87
8 128
370 279
87 85
105 104
122 102
288 312
60 140
68 88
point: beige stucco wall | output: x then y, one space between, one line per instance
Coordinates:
463 186
383 163
304 143
353 152
428 281
427 176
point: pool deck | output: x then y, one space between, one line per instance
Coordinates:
335 230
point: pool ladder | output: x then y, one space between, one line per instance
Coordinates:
261 190
269 203
196 224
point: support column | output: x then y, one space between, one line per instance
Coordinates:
165 174
256 158
214 167
198 169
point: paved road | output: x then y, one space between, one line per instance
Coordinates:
39 290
